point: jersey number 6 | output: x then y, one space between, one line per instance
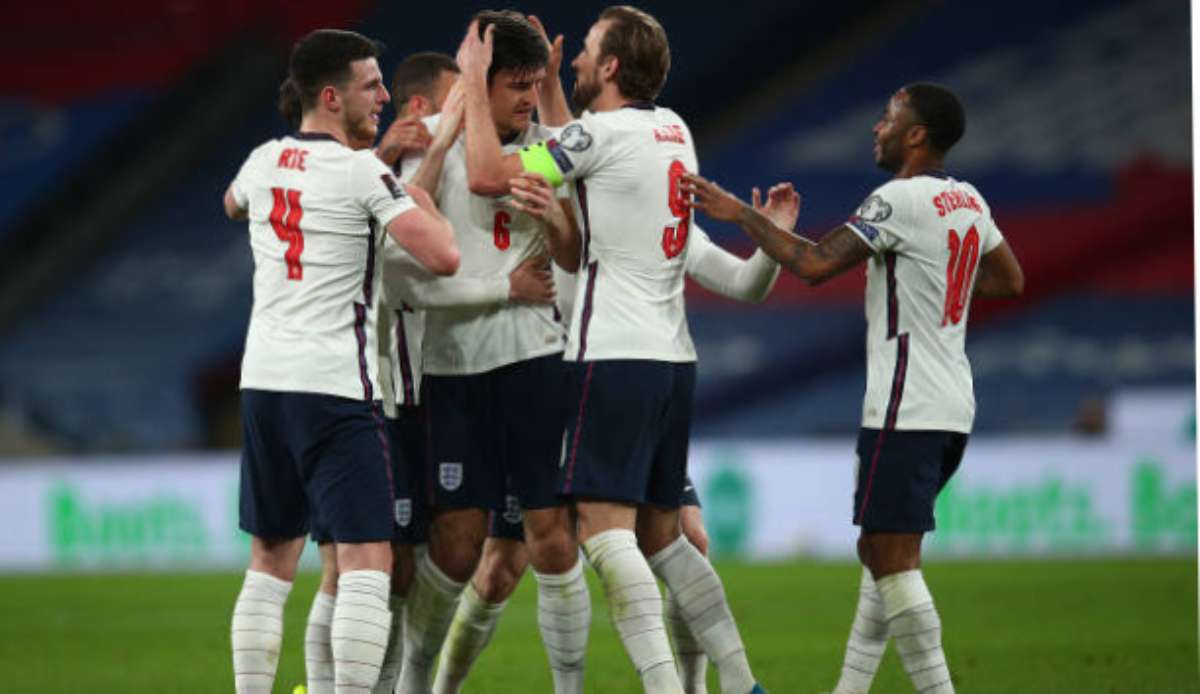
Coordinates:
285 220
964 255
500 233
674 238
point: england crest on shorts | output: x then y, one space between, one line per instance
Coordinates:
512 510
403 512
450 476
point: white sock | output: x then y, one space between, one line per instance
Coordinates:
689 654
867 642
361 622
701 599
257 632
318 652
427 613
636 607
913 622
389 672
564 617
474 623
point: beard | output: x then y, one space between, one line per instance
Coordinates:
361 131
889 160
585 92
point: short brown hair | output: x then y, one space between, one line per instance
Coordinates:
419 73
639 44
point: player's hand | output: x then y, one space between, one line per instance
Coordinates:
555 47
532 282
783 205
712 199
403 136
532 194
475 54
451 122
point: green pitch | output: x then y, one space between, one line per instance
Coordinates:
1108 627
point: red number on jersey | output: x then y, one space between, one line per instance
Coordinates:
964 256
500 233
285 220
674 238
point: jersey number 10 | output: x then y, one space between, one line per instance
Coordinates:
674 238
964 256
285 220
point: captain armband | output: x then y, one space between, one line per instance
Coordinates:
547 159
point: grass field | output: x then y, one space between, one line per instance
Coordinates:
1108 627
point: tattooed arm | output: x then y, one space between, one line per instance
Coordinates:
768 225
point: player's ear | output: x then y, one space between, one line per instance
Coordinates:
916 136
418 106
608 69
330 98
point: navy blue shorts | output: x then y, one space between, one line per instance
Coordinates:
689 497
495 435
507 523
409 434
308 455
899 476
628 424
406 435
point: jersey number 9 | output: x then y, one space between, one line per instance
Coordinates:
674 238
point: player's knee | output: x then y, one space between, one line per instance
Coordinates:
496 582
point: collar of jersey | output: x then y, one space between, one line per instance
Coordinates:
299 135
641 105
935 173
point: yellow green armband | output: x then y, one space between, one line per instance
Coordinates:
540 159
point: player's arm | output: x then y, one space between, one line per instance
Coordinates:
429 173
999 274
426 234
533 195
529 283
720 271
553 110
489 170
233 209
839 250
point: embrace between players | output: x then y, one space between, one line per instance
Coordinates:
468 353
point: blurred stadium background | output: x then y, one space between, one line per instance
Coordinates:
125 293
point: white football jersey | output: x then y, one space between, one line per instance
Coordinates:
401 327
928 233
625 166
318 212
492 240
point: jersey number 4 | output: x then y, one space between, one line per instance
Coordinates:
964 256
674 238
285 220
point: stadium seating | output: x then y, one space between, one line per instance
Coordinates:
1087 169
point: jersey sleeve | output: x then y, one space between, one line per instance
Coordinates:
724 273
572 154
407 283
376 189
242 182
881 221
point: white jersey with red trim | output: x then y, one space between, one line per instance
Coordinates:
625 166
928 233
493 239
318 212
